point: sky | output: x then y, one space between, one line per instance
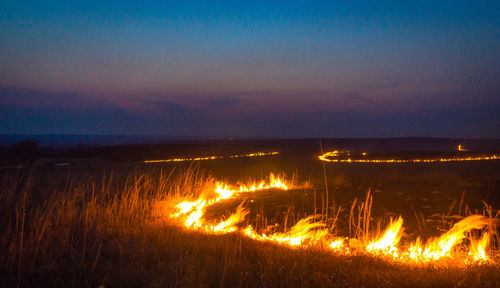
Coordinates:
280 69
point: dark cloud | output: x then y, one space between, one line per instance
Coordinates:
225 102
39 112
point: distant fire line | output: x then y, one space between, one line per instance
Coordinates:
256 154
332 156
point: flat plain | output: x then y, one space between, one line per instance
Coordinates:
86 216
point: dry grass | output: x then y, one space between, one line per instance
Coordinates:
80 231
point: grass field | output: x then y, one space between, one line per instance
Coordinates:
84 227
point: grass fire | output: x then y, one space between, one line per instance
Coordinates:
258 219
309 231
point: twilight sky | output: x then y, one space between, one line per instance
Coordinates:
250 68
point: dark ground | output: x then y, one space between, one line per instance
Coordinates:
412 190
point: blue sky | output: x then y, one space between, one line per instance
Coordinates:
234 68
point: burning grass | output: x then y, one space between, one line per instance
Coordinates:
119 231
308 232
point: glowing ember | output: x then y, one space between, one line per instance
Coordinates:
256 154
311 233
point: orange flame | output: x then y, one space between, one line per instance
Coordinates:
439 247
310 233
191 212
478 249
387 243
304 233
229 225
